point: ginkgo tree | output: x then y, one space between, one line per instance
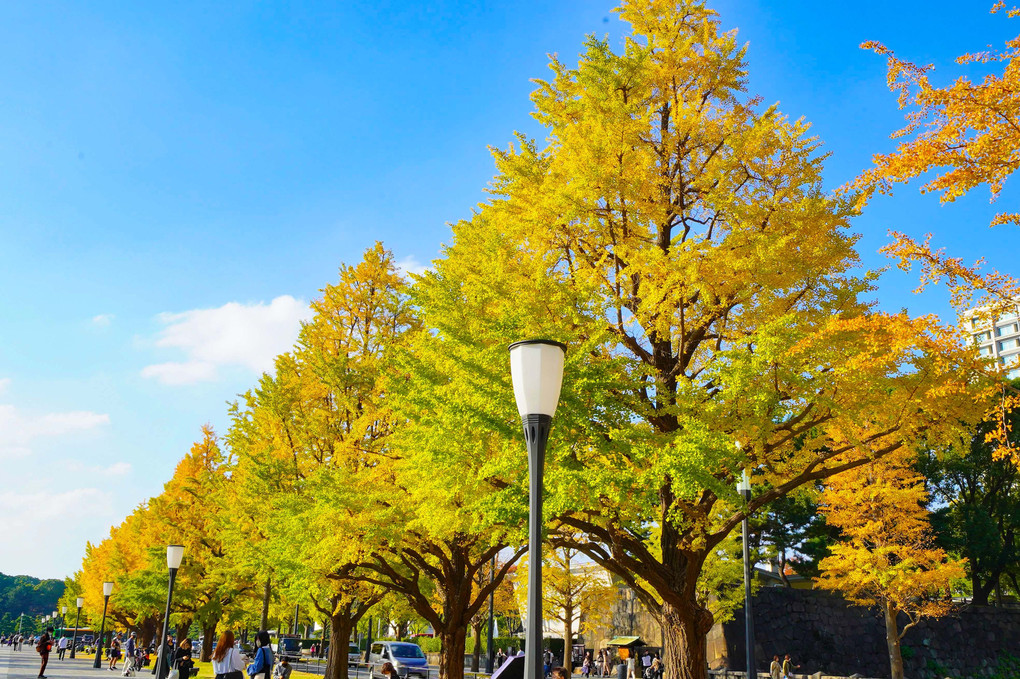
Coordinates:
887 557
708 289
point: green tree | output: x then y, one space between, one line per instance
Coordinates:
976 494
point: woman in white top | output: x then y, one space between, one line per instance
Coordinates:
227 661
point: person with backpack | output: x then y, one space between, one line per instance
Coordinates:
262 666
43 648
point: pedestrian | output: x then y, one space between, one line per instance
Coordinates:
586 665
657 668
227 661
262 666
282 669
776 668
114 652
646 664
43 647
61 647
788 667
631 667
388 671
182 659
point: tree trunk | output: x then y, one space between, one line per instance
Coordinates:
264 620
568 639
979 591
339 636
451 655
686 634
892 639
183 628
208 634
147 631
476 656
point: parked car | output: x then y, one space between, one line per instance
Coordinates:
353 654
408 659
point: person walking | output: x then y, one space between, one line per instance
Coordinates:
61 647
788 667
776 668
43 647
114 652
586 665
631 667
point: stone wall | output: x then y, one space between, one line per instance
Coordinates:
823 633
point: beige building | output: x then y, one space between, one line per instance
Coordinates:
996 338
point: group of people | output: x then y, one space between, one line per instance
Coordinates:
781 670
15 640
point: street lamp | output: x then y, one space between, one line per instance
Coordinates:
63 622
107 591
536 369
744 488
79 602
174 554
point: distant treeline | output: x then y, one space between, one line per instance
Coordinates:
31 596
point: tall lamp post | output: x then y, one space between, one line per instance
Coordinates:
63 621
74 638
107 591
174 554
536 368
489 650
744 488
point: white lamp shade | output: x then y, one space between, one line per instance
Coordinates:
536 368
107 588
744 484
80 601
63 609
174 554
54 614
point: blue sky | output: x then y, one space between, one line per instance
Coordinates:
177 180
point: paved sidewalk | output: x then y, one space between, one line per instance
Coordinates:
24 664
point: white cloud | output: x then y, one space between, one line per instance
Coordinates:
118 469
411 265
181 373
102 320
4 383
246 335
18 430
67 518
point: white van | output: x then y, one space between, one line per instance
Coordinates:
408 659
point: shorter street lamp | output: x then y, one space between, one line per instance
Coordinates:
744 488
63 622
74 637
174 554
536 369
107 591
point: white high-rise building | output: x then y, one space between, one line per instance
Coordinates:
998 339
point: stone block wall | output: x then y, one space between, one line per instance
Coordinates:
823 633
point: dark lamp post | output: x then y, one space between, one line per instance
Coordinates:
744 488
79 602
174 554
107 591
536 368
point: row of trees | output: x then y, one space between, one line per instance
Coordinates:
675 235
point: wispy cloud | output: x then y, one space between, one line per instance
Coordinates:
102 320
18 430
245 335
411 265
